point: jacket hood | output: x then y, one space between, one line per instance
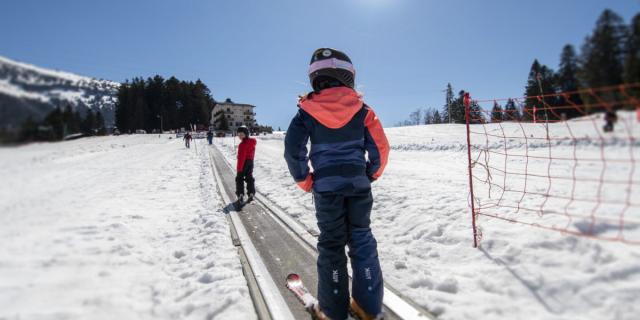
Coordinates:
332 107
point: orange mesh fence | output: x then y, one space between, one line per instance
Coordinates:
565 162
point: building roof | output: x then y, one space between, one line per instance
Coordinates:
233 104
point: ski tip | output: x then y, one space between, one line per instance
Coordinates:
293 277
293 280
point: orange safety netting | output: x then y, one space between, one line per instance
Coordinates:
564 161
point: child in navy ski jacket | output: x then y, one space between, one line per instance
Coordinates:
244 166
349 150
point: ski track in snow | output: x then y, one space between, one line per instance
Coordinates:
422 223
126 227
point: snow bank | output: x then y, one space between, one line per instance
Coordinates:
125 227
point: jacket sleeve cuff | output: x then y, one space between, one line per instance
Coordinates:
307 183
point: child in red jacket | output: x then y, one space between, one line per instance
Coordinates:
244 168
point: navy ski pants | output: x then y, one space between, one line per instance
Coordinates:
344 219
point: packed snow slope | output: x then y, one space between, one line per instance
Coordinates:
125 227
422 222
29 90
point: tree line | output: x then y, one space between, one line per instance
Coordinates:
60 124
155 103
452 111
609 56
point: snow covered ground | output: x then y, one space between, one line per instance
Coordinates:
422 222
131 227
125 227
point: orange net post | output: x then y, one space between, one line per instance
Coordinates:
573 170
467 112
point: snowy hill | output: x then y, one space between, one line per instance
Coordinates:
29 90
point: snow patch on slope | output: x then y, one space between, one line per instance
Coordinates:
127 227
45 72
8 88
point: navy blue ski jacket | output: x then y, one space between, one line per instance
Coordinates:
348 146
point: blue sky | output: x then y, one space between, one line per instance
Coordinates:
257 51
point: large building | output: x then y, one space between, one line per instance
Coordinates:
237 114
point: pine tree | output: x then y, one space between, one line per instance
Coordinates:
476 115
29 130
458 109
154 96
77 123
171 118
70 120
496 112
540 82
436 117
122 107
221 121
603 52
89 123
632 57
446 117
201 98
511 112
180 104
566 80
99 128
428 116
55 120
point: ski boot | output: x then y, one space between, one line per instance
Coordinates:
363 315
239 202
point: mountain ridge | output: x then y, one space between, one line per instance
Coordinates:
27 91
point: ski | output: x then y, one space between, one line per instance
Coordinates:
310 303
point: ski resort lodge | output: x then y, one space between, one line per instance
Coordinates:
237 114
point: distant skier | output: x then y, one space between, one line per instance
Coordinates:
210 137
341 128
244 166
610 118
187 139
